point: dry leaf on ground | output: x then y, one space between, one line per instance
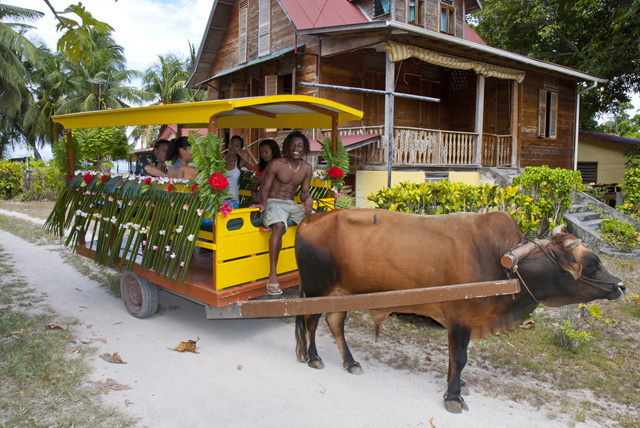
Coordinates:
115 358
189 345
429 358
55 325
431 422
110 385
527 324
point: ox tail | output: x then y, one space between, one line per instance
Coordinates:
302 350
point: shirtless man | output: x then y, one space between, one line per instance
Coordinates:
281 180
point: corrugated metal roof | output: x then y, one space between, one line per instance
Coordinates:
322 13
608 138
471 36
350 142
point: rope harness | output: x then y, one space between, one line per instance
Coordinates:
547 252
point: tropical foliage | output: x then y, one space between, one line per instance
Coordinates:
10 179
597 36
337 163
537 201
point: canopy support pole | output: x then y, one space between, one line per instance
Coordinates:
70 151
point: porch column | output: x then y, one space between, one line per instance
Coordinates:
390 72
479 116
514 123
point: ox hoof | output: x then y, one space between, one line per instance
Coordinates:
456 406
354 368
316 364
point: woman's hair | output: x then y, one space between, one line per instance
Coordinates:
287 143
275 150
175 145
235 137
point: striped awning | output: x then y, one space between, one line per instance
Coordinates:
399 52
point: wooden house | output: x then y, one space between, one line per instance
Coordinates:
438 99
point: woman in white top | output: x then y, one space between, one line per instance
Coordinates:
234 162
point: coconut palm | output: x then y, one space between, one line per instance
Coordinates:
15 50
166 79
101 84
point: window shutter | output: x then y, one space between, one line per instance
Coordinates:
542 112
271 85
264 28
242 35
553 114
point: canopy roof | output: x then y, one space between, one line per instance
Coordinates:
278 111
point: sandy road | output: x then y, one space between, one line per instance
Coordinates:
246 374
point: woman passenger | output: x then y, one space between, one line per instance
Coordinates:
234 162
268 150
180 150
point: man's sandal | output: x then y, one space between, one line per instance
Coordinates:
273 289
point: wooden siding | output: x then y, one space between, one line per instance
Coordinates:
554 152
282 36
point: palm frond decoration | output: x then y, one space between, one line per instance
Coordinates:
335 161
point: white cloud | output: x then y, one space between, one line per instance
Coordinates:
145 28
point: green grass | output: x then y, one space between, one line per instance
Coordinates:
43 383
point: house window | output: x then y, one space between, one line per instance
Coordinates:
589 171
447 18
416 12
264 28
547 113
242 32
381 7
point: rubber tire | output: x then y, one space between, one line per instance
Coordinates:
140 296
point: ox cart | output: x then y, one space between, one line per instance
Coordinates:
111 219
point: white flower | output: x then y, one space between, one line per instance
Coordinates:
162 232
179 229
190 238
114 220
199 211
78 212
135 226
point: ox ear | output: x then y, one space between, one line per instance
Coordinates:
557 229
571 246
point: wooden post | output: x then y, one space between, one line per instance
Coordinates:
390 71
334 133
70 151
479 117
514 124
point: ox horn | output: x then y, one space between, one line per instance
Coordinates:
557 229
511 258
571 246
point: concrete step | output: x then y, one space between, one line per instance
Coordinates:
579 208
593 224
587 216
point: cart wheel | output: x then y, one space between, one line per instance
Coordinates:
139 295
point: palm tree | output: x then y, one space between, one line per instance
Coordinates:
166 79
101 84
15 50
50 83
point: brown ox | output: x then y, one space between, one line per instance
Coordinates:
365 251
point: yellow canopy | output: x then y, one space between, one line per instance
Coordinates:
279 111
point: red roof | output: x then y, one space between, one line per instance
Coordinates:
471 36
322 13
348 141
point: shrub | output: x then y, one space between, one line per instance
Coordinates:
551 192
45 181
442 197
631 191
574 320
619 235
10 179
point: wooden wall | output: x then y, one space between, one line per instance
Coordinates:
536 151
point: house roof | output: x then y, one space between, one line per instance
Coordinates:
322 13
350 142
444 42
608 138
304 14
471 35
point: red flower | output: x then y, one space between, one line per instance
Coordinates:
87 178
225 209
121 182
147 181
170 188
104 178
194 187
218 181
69 177
335 172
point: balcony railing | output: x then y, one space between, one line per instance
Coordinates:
430 147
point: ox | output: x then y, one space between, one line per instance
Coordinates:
366 251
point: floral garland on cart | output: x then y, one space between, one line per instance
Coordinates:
151 221
337 164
